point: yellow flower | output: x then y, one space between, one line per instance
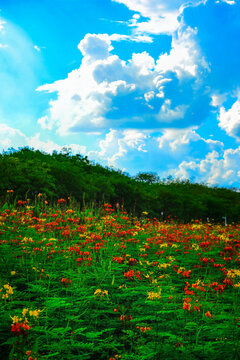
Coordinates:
24 312
233 272
34 313
8 288
13 273
15 319
154 295
100 292
163 266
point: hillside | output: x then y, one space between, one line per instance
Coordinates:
61 175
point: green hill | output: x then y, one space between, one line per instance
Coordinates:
61 175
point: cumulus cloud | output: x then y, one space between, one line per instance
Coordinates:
213 169
107 92
185 58
229 120
155 151
118 144
95 46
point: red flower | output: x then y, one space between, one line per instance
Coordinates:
60 201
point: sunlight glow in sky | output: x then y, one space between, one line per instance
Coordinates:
140 85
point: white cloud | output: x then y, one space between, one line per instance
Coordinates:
161 153
134 37
162 16
37 48
2 22
218 99
213 169
177 139
229 120
95 46
14 138
148 96
86 95
118 144
45 122
10 137
185 57
49 146
229 2
87 100
167 114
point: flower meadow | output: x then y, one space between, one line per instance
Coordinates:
98 283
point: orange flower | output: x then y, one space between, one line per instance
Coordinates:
208 314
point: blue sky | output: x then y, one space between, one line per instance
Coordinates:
140 85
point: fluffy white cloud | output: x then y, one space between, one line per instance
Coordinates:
49 146
14 138
229 120
167 114
177 139
10 137
86 95
213 169
185 57
95 46
118 144
96 96
161 16
158 153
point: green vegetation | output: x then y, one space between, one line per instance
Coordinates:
29 172
97 284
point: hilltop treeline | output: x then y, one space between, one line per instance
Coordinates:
61 175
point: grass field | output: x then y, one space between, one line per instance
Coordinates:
99 284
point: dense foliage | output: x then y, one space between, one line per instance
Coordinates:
97 284
61 175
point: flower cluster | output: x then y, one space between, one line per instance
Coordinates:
101 293
8 291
